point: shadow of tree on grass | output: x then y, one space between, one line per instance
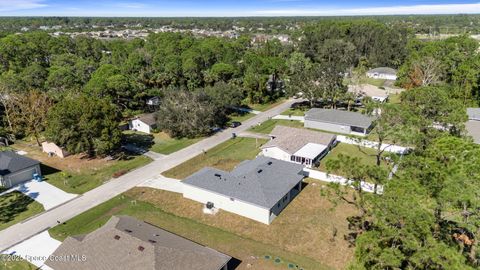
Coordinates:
12 204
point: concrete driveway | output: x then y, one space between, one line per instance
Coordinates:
36 249
44 193
164 183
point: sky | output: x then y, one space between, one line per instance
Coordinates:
228 8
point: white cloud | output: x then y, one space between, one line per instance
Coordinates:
394 10
12 5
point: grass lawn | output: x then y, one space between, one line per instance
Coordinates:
295 112
15 265
366 156
77 173
394 98
17 207
224 156
240 116
372 81
158 142
266 106
301 235
74 182
267 126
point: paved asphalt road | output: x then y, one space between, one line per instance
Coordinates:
22 231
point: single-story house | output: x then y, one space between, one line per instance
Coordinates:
144 123
473 124
369 90
16 169
258 189
298 145
384 73
125 243
53 149
339 121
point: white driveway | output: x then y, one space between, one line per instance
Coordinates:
164 183
44 193
36 249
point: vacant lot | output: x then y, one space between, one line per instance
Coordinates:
250 251
15 207
366 155
240 116
224 156
77 173
267 126
266 106
158 142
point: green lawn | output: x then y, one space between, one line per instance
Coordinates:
224 156
16 207
158 142
365 155
240 117
295 112
243 249
376 82
394 98
85 180
267 126
15 265
266 106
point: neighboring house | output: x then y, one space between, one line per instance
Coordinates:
298 145
144 123
154 101
339 121
53 149
258 189
16 169
473 124
125 243
384 73
369 90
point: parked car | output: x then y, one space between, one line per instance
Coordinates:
235 124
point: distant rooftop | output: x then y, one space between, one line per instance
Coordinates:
147 118
262 181
339 117
473 113
127 243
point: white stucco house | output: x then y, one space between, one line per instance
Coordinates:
258 189
338 121
384 73
472 126
144 123
302 146
16 169
53 149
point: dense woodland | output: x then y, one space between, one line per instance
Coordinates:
76 92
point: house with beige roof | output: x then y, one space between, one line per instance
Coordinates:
297 145
125 243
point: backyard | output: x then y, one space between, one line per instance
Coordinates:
79 174
302 235
366 155
224 156
17 207
267 126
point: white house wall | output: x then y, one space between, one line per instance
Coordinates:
138 125
276 153
327 127
222 202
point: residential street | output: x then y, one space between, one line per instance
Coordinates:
46 220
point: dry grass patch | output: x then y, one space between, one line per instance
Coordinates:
305 227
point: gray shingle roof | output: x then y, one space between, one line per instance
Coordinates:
383 70
127 243
473 113
11 162
291 139
262 181
339 117
148 118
